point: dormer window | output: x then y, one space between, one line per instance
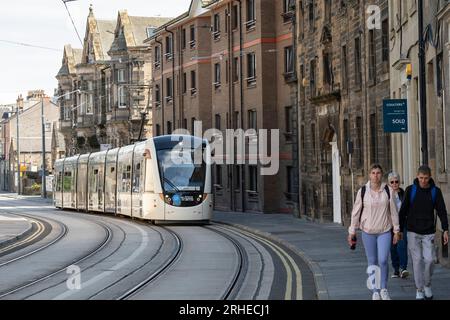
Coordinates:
150 31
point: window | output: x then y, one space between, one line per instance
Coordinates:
327 11
217 121
327 69
313 139
108 94
169 49
253 175
359 148
235 69
358 74
217 75
216 26
169 127
252 120
236 124
150 31
125 186
122 97
183 38
251 68
288 6
290 179
67 113
48 127
120 75
137 178
158 130
312 78
169 92
302 87
193 83
372 58
157 56
237 177
185 123
289 120
311 15
234 17
346 140
90 98
385 40
184 83
344 68
192 42
250 23
67 181
373 139
288 60
157 94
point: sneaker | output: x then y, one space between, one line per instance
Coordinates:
404 274
428 293
420 295
396 274
376 296
385 294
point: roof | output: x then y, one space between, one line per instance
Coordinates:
134 30
71 58
106 36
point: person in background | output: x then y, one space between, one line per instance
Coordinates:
417 217
375 213
399 251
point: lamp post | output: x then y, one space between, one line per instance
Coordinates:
18 150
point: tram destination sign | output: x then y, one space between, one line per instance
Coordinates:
395 115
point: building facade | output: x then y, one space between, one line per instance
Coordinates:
230 65
344 70
103 89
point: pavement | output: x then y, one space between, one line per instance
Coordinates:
339 273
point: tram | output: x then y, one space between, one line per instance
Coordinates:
166 178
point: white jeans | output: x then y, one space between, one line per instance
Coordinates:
421 248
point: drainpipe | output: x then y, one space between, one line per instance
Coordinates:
173 75
422 86
161 92
180 78
241 74
230 98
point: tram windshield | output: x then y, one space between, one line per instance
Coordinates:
179 172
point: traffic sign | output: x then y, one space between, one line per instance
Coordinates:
395 115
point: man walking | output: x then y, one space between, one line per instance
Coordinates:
417 216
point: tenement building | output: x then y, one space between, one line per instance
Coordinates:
230 64
343 68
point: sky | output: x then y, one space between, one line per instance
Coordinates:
46 23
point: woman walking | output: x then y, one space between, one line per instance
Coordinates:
375 213
399 251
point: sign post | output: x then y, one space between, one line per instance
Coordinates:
395 115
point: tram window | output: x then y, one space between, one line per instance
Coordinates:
137 178
126 177
67 181
58 181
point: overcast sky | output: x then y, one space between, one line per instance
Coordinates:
46 23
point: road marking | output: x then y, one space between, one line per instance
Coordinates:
280 252
39 231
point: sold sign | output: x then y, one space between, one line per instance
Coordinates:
395 115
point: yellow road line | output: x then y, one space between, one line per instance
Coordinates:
282 253
37 233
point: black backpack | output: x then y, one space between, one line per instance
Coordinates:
363 192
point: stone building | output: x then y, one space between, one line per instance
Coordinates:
231 65
67 85
128 114
343 67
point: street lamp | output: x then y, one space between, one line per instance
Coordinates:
44 187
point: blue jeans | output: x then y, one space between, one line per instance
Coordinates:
399 254
377 247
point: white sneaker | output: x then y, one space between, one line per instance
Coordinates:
376 296
385 294
428 293
420 295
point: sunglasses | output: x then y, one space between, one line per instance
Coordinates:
395 181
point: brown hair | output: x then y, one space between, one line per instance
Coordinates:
376 166
424 170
